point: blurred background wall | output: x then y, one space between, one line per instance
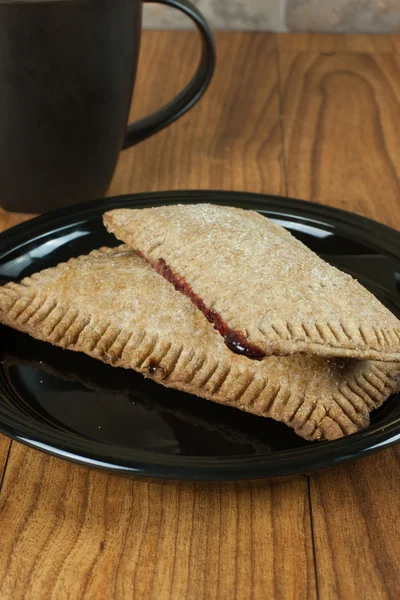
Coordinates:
363 16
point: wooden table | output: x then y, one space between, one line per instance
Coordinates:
314 117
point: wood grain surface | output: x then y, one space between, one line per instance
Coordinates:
356 518
5 445
331 42
340 129
305 115
341 112
229 140
68 532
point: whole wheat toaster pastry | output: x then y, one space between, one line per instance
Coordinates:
265 291
114 307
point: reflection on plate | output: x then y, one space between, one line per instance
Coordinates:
119 406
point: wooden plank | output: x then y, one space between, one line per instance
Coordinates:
341 135
356 519
68 532
332 42
395 39
341 148
4 450
8 219
230 140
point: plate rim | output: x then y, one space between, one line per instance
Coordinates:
245 467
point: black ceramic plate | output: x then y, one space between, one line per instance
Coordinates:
77 408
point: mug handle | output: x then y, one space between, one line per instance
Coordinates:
144 128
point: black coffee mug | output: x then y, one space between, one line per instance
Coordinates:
67 70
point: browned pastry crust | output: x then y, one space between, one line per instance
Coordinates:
116 308
253 278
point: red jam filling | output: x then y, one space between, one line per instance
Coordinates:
234 339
